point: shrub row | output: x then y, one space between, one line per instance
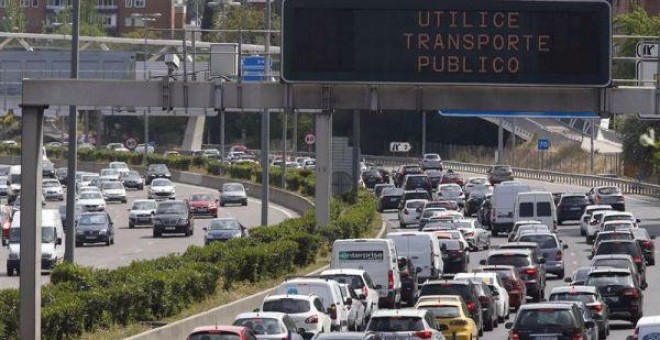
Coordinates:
81 299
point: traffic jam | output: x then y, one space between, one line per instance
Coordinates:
423 280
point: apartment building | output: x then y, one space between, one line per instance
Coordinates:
115 15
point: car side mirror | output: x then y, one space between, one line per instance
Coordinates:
442 327
205 229
590 324
508 325
638 220
59 241
564 246
362 297
568 280
590 257
653 237
644 285
418 270
301 331
483 262
542 261
378 287
349 301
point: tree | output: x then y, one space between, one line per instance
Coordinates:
634 153
637 22
90 22
14 19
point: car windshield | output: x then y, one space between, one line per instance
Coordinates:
606 279
51 184
47 235
88 178
157 168
201 197
261 326
90 195
288 306
432 156
112 185
464 224
396 324
109 172
478 181
575 200
450 190
502 168
132 174
214 335
443 312
93 219
143 205
544 241
118 166
585 297
609 191
172 208
161 183
225 225
232 187
545 318
516 260
414 204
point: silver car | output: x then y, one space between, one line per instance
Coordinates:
431 161
476 237
233 193
356 314
269 325
607 195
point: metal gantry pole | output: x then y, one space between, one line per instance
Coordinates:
356 152
265 126
284 116
500 140
323 172
144 70
30 240
73 144
423 133
222 134
592 150
294 138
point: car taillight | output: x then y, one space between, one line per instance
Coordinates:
637 259
632 292
647 244
472 307
390 280
514 335
312 319
485 302
530 271
405 275
425 334
559 255
597 308
577 335
594 222
598 197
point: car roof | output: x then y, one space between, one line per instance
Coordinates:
441 297
399 312
416 200
251 315
447 302
289 296
235 329
525 252
580 289
599 270
346 271
649 320
598 206
612 257
544 305
518 245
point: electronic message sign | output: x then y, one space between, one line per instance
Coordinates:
501 42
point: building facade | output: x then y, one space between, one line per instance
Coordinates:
116 16
625 6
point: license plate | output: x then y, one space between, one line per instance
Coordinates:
170 228
90 237
576 208
143 219
545 338
201 209
393 199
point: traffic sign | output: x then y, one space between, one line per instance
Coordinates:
130 143
310 139
647 66
512 114
400 147
543 144
517 42
253 68
647 49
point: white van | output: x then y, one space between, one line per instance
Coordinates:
537 206
378 257
52 238
648 327
504 201
13 183
424 251
327 290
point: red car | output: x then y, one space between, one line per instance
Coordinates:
5 220
204 205
452 177
221 333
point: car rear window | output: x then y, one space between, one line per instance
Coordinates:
543 209
614 236
545 318
450 244
443 312
629 248
509 259
462 290
353 281
415 204
502 169
418 180
392 192
618 218
544 241
502 273
214 335
609 191
574 200
612 263
413 170
417 196
574 296
605 279
451 190
261 326
526 209
288 306
396 324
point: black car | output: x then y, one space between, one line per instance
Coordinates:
645 242
133 180
173 217
484 213
629 247
488 305
224 229
94 227
156 171
417 182
592 302
463 288
406 170
529 267
571 207
474 202
414 195
378 189
384 173
48 169
372 177
408 275
434 177
621 292
550 321
390 199
454 256
61 175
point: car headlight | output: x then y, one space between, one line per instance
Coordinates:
79 232
103 231
13 256
157 221
184 221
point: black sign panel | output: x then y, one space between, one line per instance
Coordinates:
503 42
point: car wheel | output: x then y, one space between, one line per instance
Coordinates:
481 331
157 234
10 271
141 187
560 222
489 326
245 203
222 204
124 201
500 319
78 244
112 240
583 233
402 225
494 232
652 261
131 225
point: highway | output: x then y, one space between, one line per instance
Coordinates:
644 208
138 243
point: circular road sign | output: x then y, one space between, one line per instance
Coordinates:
310 138
130 143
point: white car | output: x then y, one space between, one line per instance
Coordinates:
478 238
411 212
141 213
140 149
113 191
162 188
495 282
586 216
52 189
356 310
109 174
451 192
307 311
455 235
431 161
310 164
119 166
91 201
479 184
362 284
86 179
408 323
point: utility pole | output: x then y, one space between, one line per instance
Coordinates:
423 133
265 127
500 141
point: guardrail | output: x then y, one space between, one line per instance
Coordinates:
627 186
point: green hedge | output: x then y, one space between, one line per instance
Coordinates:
81 299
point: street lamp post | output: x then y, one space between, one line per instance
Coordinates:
146 17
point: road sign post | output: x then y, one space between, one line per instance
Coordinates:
400 147
543 144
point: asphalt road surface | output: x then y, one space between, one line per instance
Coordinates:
138 243
644 208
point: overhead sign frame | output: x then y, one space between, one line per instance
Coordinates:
308 25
